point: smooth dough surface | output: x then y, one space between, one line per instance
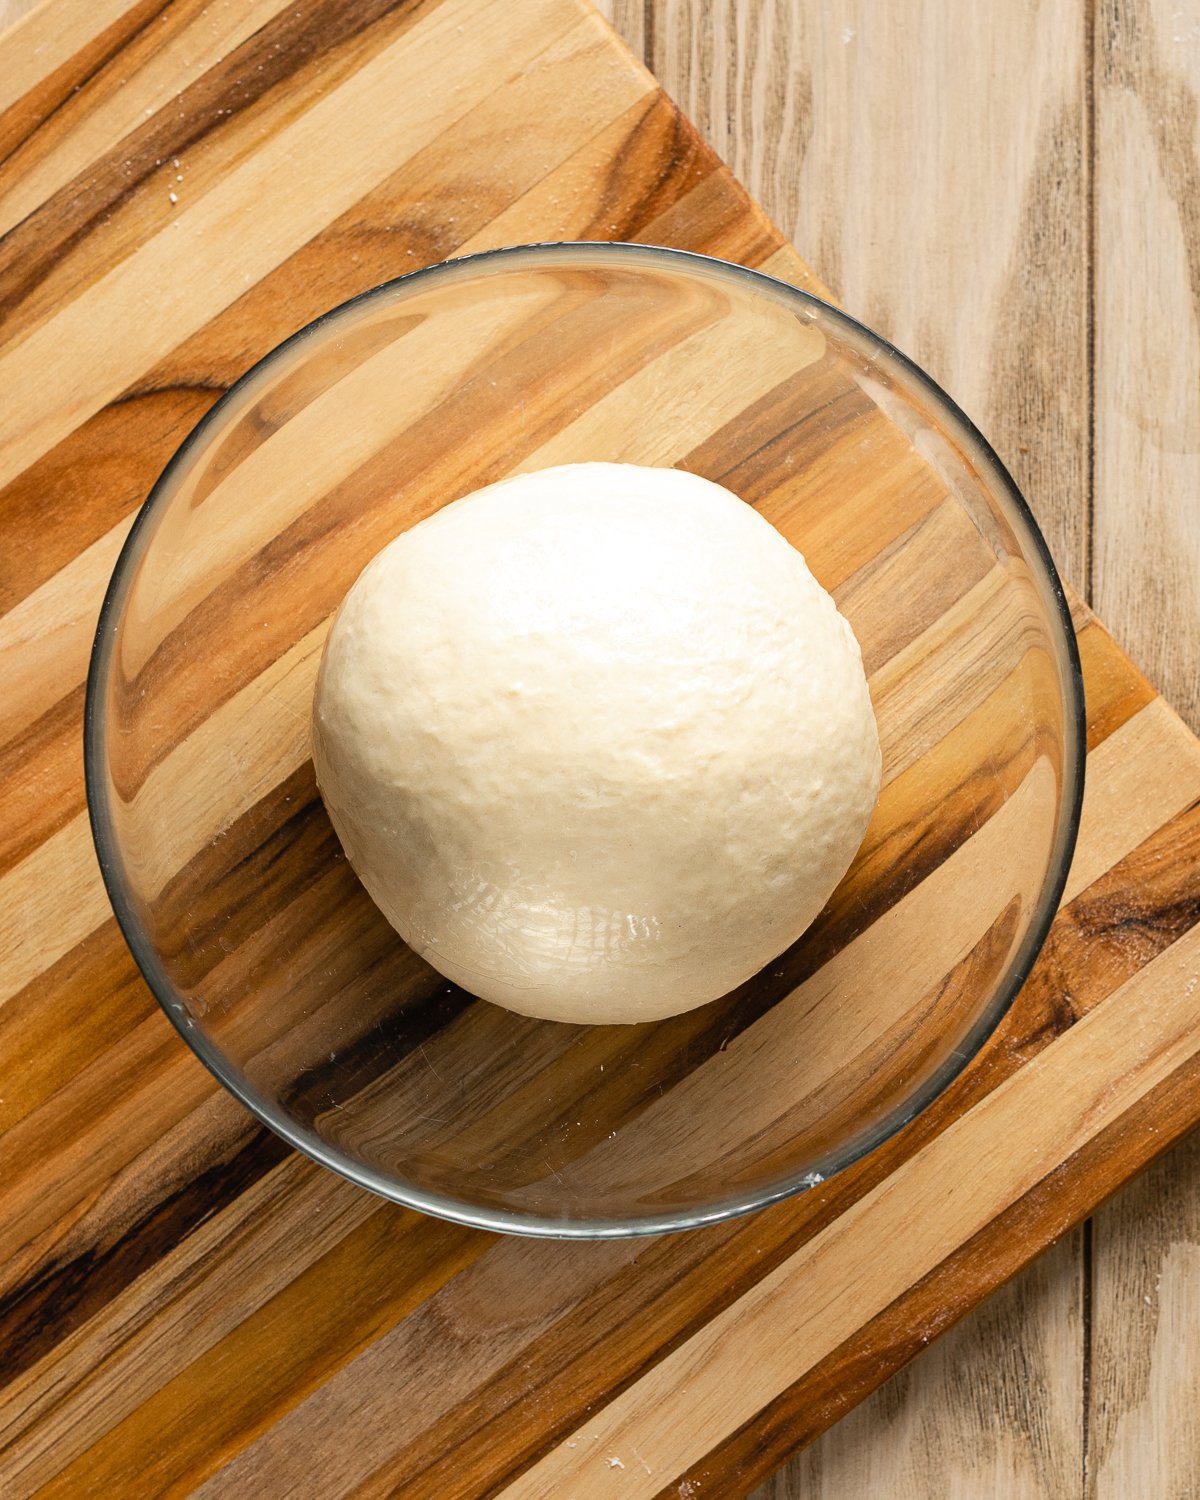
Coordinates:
595 741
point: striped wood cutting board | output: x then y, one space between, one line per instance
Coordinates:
186 1306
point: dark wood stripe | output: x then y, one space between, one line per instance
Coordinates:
38 1313
126 1105
1115 689
1122 921
81 489
245 878
813 412
718 218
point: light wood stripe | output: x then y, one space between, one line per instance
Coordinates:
48 904
250 221
172 58
1117 812
45 640
48 36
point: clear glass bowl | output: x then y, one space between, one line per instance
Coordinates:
258 940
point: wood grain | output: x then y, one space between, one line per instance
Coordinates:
966 242
1147 344
156 1245
1143 1428
992 1408
1145 1377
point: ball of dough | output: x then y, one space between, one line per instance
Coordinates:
596 741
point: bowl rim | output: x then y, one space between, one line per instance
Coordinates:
1045 575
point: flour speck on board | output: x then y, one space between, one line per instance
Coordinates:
615 1463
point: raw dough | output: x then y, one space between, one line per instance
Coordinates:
596 741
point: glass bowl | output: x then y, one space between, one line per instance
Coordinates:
258 940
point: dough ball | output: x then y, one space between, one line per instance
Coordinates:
596 741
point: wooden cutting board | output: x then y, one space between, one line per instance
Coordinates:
184 1305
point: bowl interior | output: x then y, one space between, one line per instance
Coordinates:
255 934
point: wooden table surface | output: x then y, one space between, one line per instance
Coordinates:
1010 192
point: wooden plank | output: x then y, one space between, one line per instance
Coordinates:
979 267
1142 1424
1144 1412
984 1411
1147 341
11 11
822 110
